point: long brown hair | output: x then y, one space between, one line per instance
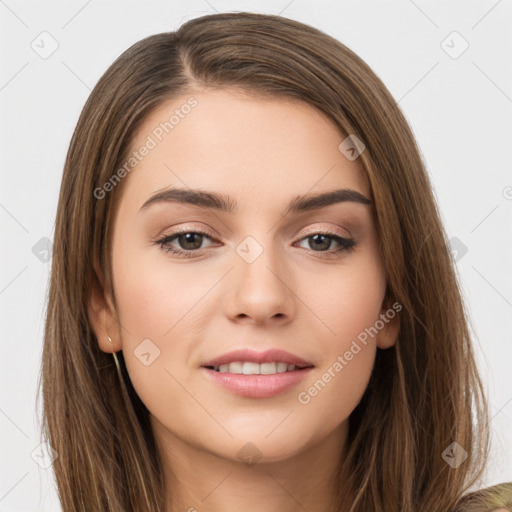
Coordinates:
425 393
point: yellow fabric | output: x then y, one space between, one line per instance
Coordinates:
497 498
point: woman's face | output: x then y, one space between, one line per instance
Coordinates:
308 281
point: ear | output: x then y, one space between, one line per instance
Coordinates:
389 315
102 315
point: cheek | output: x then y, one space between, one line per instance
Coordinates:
337 387
154 307
348 357
348 304
154 296
346 301
156 343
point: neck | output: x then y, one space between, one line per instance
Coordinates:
198 480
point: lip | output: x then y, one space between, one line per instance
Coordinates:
257 386
268 356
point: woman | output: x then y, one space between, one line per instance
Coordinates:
253 304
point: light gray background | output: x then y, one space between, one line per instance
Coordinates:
459 109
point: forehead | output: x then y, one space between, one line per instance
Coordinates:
261 150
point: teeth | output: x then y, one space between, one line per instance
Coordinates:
234 367
268 368
248 368
281 367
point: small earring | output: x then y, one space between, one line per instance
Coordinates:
109 339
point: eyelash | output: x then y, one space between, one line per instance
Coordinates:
347 244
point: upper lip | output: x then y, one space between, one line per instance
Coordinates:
268 356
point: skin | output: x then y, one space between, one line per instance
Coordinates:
294 296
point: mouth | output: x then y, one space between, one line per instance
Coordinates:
253 374
253 368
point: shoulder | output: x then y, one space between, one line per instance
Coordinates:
497 498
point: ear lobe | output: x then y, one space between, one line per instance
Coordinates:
102 316
388 335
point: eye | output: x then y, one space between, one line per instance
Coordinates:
191 241
321 242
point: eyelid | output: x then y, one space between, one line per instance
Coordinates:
186 229
338 231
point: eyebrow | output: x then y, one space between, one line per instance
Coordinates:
224 203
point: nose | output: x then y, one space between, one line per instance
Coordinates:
260 289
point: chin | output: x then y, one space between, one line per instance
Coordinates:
257 447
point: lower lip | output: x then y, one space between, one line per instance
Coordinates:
257 386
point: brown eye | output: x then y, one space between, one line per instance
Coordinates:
322 242
190 241
185 242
